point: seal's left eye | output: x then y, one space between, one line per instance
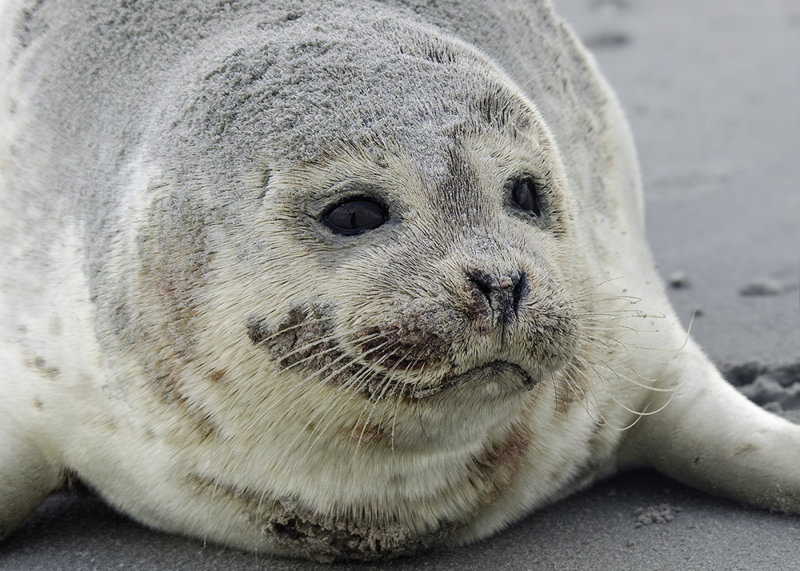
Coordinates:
355 216
525 196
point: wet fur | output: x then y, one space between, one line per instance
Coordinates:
181 333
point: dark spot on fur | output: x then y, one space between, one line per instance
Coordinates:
217 375
38 404
366 433
571 385
41 364
497 467
331 538
304 340
304 336
257 330
173 272
171 392
410 345
476 308
350 534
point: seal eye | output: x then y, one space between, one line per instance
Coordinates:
525 196
355 216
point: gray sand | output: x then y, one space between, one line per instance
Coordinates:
711 89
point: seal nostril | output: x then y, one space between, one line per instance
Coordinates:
502 293
483 283
520 290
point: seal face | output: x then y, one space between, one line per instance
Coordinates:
345 281
443 298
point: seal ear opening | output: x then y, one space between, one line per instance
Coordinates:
264 183
257 180
27 477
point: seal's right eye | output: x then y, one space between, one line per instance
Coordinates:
355 216
525 196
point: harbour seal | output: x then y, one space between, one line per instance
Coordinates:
281 314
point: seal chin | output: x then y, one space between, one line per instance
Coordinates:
497 378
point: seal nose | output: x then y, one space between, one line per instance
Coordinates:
497 295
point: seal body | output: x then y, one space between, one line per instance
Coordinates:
337 279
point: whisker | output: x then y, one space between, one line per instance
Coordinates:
387 385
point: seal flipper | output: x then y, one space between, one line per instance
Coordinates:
711 437
26 476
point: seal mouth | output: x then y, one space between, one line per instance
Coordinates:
495 378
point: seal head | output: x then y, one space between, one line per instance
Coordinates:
375 247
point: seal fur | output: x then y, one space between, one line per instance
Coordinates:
185 335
